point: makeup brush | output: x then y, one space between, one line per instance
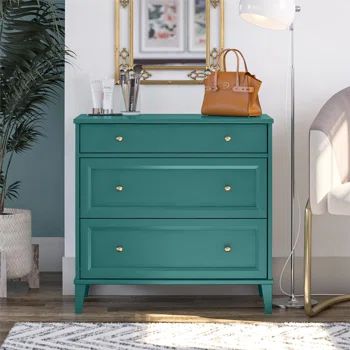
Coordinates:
132 90
138 74
123 83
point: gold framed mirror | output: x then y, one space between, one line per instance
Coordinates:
175 41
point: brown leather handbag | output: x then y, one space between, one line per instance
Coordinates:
231 93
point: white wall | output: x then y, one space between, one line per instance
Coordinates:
322 59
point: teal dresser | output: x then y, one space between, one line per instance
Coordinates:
173 199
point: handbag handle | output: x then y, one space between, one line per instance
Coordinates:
225 53
215 80
238 54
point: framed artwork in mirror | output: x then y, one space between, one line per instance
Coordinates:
162 26
196 26
176 41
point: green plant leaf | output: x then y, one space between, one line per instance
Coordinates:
12 190
24 137
32 59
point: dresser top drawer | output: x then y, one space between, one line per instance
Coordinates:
173 138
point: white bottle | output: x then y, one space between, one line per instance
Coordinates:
108 91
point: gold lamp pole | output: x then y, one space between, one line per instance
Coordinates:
280 15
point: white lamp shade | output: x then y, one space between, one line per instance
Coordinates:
272 14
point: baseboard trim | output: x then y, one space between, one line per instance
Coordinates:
51 250
331 275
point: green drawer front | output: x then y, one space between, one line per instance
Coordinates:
173 188
169 249
193 138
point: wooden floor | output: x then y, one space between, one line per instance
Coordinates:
48 305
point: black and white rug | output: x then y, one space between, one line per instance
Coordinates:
184 336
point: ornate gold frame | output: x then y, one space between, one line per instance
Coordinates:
124 57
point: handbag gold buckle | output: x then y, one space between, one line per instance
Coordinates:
243 89
211 88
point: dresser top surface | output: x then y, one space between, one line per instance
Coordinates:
171 119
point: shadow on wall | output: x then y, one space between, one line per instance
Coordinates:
41 172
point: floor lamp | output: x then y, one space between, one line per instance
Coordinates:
280 15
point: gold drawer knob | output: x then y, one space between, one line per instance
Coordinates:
119 188
228 249
228 188
119 138
228 138
119 249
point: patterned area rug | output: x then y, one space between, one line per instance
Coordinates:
184 336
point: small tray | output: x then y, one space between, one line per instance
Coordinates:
131 113
105 115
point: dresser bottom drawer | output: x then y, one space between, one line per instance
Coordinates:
173 249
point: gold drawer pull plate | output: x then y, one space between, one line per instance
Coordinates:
120 188
228 138
228 249
119 138
119 249
228 188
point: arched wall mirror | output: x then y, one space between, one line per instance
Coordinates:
176 41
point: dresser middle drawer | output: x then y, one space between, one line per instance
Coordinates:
173 188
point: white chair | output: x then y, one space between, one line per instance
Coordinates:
329 179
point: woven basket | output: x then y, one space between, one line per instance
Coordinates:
16 241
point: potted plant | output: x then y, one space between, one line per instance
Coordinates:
31 69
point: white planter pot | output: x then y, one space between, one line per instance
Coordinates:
16 241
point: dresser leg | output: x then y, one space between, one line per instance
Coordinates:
81 291
86 294
267 296
260 290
